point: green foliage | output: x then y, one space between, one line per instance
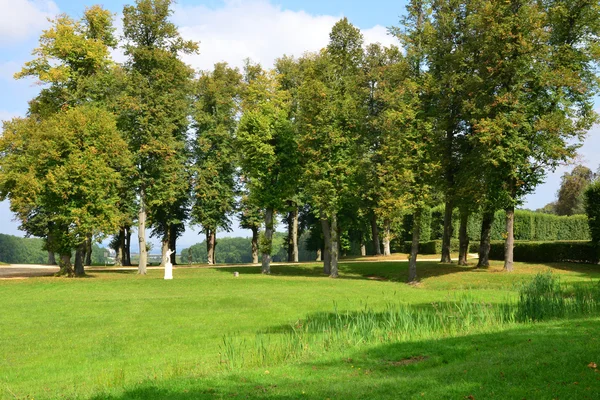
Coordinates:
69 165
592 208
154 111
571 193
541 252
234 250
16 250
268 147
214 147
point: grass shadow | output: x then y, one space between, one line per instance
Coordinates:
551 360
375 271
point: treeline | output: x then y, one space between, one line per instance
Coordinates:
17 250
347 144
239 251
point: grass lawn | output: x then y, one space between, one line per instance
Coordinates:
206 334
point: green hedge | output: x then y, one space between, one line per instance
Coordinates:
592 208
529 225
559 251
426 247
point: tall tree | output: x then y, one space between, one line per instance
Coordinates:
68 163
533 101
411 154
155 112
216 108
268 149
447 62
73 63
330 123
571 193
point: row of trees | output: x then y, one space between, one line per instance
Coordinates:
480 102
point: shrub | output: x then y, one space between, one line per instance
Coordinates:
592 209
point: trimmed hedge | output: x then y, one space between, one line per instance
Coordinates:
559 251
426 247
529 225
592 208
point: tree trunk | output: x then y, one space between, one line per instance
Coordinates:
334 247
66 269
363 247
173 243
509 244
486 236
254 245
51 258
210 246
50 245
127 247
326 254
88 250
268 242
463 238
387 238
290 246
447 236
295 255
319 255
414 248
142 237
79 259
164 247
375 233
120 258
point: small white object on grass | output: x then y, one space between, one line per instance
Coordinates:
236 274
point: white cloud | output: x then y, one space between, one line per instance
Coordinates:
258 30
21 19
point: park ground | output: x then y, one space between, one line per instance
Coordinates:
116 335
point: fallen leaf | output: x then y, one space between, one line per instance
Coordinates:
592 365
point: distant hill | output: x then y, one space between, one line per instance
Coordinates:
18 250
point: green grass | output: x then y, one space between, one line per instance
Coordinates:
297 334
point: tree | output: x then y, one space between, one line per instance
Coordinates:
592 208
72 60
330 121
447 61
217 104
571 193
532 103
155 112
251 217
67 164
268 149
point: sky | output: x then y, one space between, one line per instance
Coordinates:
229 30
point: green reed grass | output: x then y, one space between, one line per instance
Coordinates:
542 298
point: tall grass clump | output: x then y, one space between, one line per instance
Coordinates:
544 297
336 331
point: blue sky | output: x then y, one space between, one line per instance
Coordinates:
227 31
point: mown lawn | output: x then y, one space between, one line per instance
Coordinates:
121 336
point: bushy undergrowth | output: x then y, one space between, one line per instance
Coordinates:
542 298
